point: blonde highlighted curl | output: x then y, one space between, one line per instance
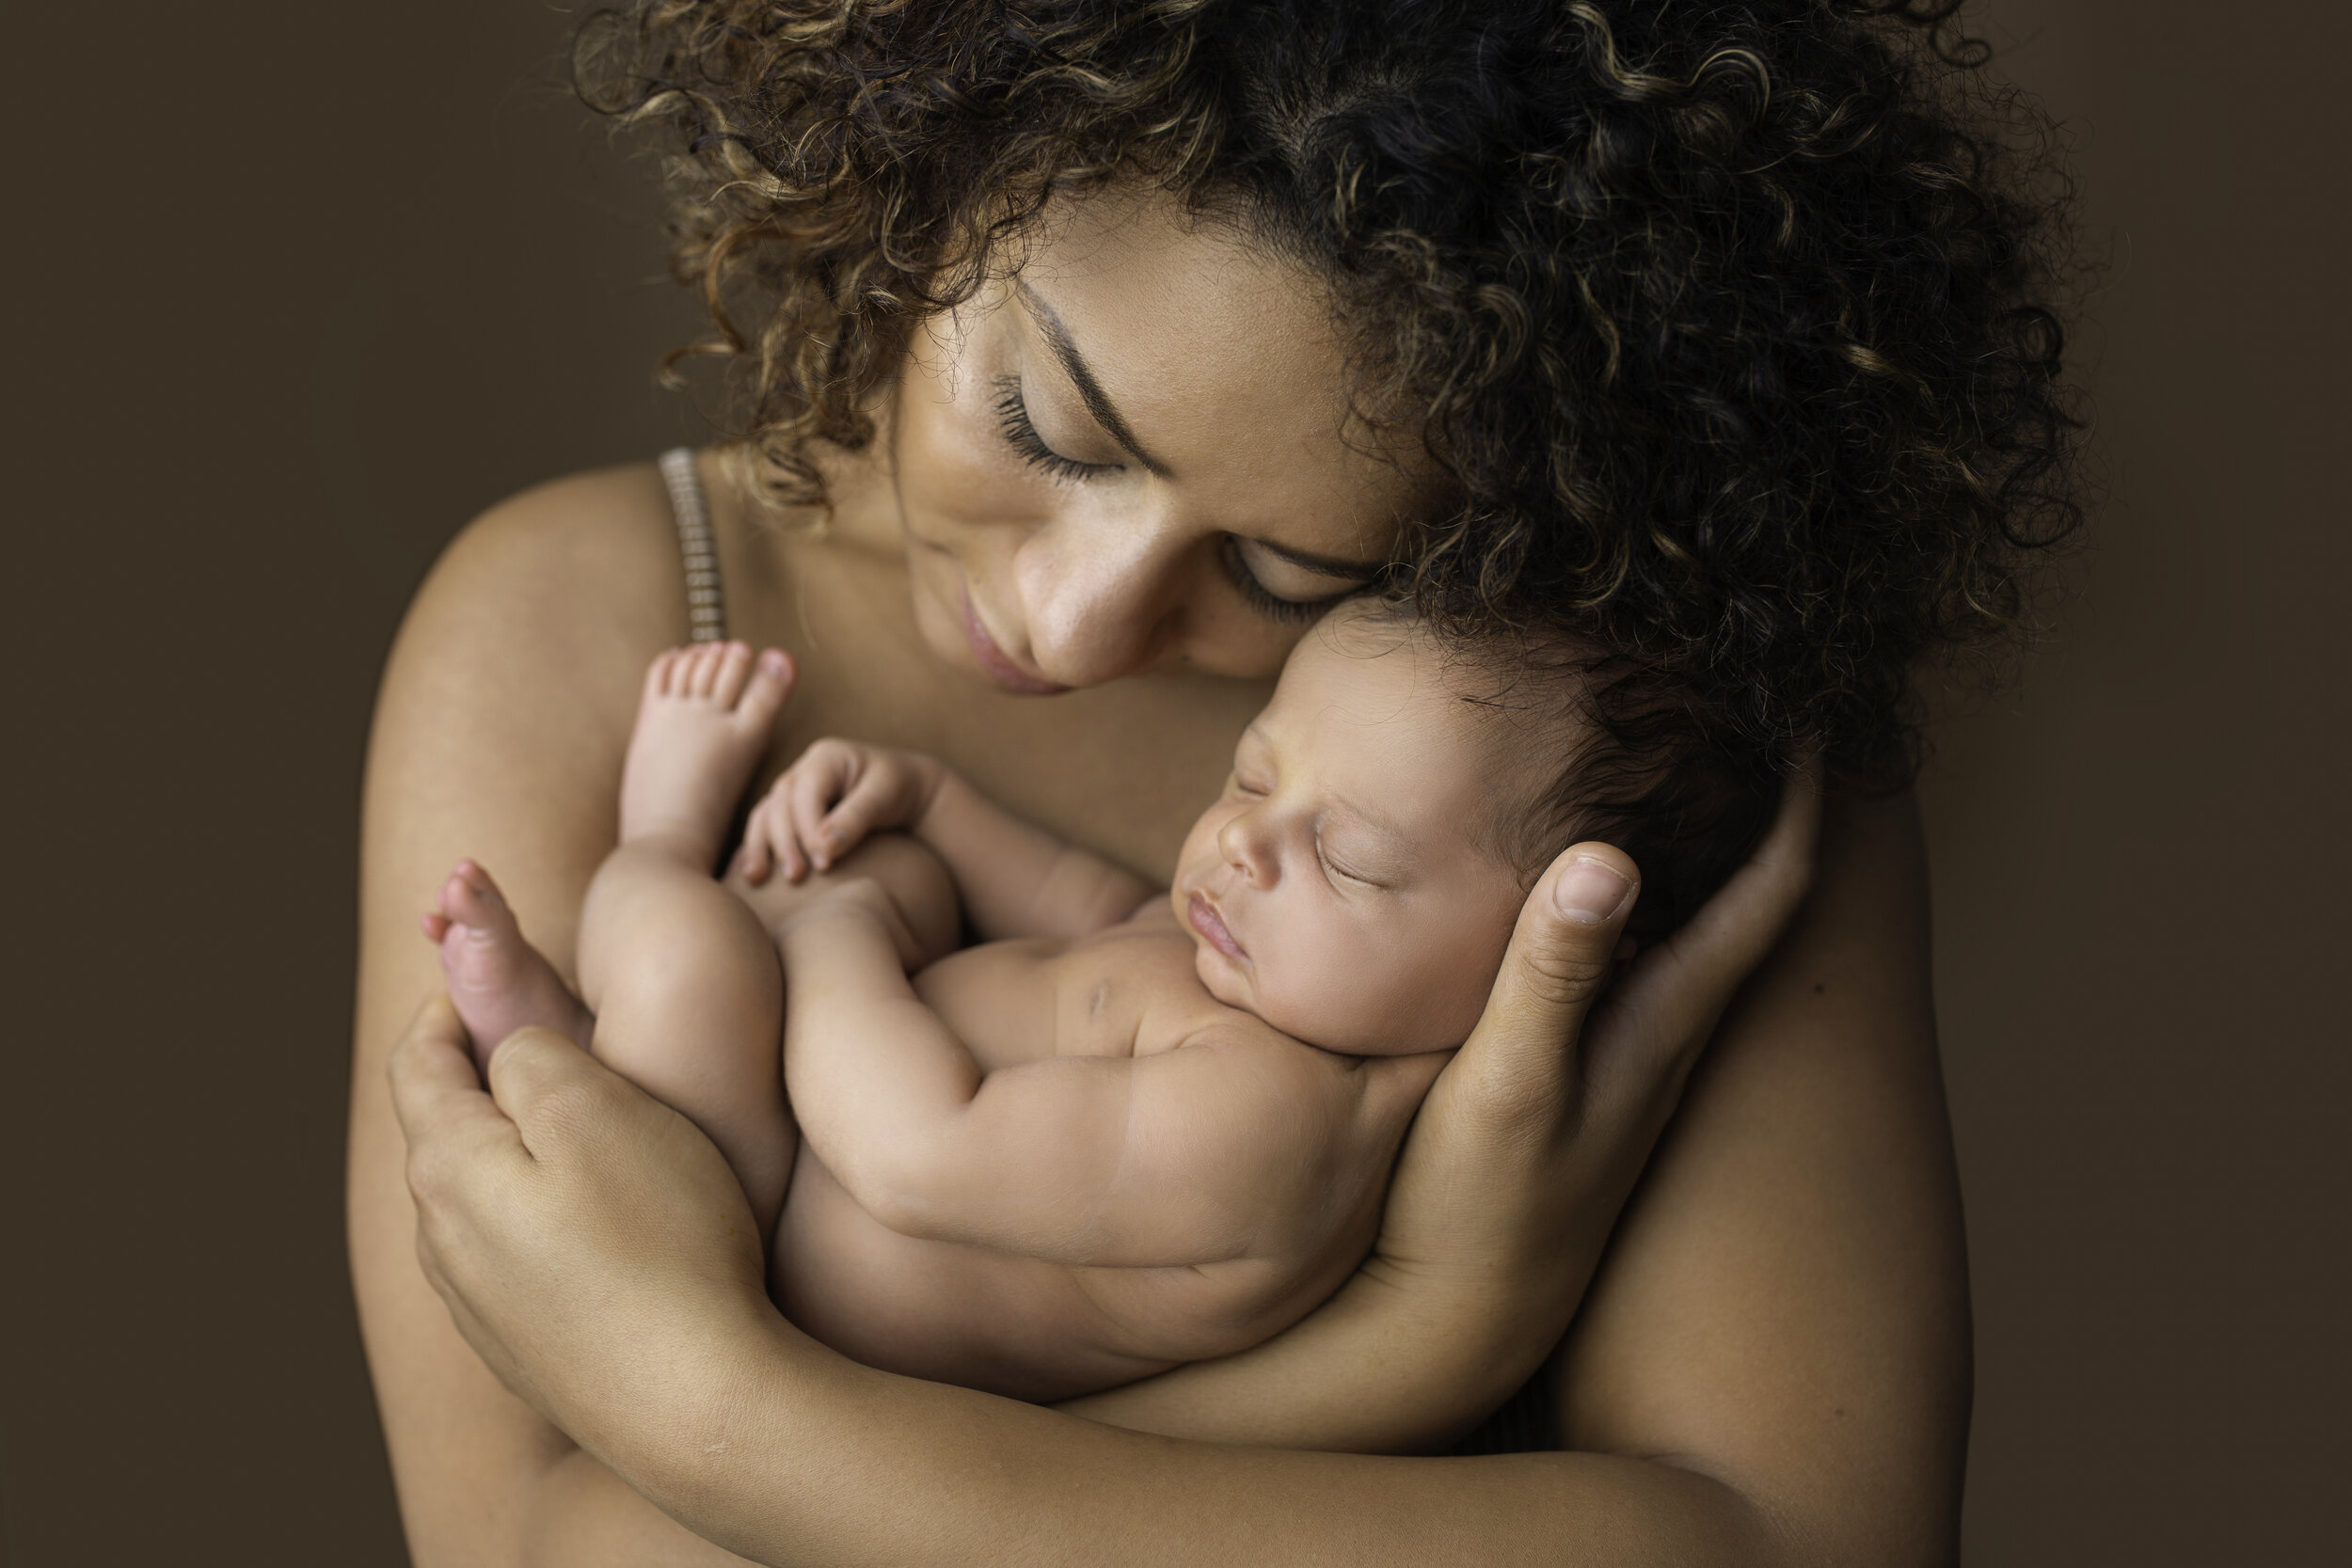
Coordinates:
1729 322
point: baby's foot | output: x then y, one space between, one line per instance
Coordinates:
702 726
499 982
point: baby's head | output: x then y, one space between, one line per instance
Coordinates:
1360 878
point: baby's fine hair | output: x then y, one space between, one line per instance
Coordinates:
1613 753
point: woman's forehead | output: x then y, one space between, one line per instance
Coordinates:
1227 364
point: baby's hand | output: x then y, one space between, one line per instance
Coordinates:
826 804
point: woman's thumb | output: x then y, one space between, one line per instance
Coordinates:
1567 940
1561 956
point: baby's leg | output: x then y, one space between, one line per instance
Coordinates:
683 981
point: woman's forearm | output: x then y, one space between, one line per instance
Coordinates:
803 1458
927 1474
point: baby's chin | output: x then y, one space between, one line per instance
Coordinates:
1239 987
1223 977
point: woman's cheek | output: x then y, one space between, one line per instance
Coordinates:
952 478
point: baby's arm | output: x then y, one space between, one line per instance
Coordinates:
1215 1151
1015 879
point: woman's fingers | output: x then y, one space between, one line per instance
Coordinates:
454 1131
1557 1096
561 1099
1519 1060
439 1098
568 1206
1480 1179
1666 1008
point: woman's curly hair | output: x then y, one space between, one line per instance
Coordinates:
1728 319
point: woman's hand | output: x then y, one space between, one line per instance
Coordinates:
592 1245
1514 1172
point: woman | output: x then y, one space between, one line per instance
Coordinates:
1108 345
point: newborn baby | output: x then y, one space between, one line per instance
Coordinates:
1128 1128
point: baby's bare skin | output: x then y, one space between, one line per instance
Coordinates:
1213 1179
1086 1150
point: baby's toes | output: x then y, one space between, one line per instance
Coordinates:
708 659
733 669
662 673
765 683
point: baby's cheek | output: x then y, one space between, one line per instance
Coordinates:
1449 969
1339 988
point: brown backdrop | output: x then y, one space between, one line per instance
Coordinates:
292 291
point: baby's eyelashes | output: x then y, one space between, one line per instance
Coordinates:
1338 871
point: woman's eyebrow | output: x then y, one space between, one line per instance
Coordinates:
1073 363
1106 414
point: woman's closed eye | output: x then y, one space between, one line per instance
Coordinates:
1021 434
1265 600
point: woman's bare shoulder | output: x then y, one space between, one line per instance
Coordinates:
1786 1300
579 561
536 623
499 734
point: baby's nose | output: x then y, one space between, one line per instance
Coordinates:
1249 848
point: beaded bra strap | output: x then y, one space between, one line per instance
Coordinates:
705 605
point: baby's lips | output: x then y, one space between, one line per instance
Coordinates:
1203 917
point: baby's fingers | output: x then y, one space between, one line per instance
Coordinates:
869 801
768 843
818 782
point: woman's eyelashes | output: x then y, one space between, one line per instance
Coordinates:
1263 599
1013 416
1021 434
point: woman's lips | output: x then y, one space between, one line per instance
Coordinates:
1205 920
995 663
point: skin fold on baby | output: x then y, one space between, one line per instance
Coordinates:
1125 1130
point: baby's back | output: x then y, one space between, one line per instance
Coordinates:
1246 1173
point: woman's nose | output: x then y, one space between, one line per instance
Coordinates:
1101 597
1247 843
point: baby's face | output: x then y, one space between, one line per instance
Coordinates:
1335 889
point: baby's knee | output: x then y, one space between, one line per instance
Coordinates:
918 882
915 879
682 949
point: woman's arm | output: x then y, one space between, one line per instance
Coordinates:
1784 1305
498 734
598 1251
482 1478
589 1242
1516 1171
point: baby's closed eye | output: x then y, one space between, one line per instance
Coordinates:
1340 870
